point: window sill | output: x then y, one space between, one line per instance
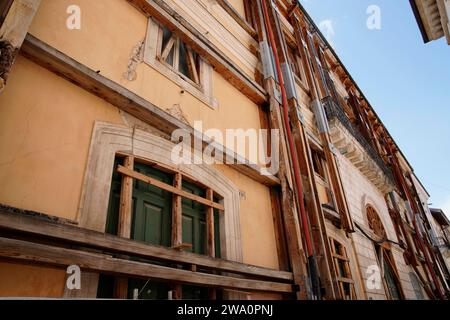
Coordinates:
332 215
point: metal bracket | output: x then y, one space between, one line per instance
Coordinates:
277 95
267 60
289 81
333 149
319 112
299 115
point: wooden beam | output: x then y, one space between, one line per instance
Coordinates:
346 280
192 65
177 223
210 248
290 217
289 209
237 17
80 75
126 201
62 257
316 211
210 244
40 226
168 187
124 225
280 237
162 12
4 9
168 48
177 236
14 28
316 224
323 92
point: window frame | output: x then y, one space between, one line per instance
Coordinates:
341 257
293 52
175 45
384 254
177 181
212 242
152 56
323 177
374 222
383 251
109 139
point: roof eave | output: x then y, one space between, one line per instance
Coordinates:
416 12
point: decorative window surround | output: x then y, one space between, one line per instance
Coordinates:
110 139
383 215
203 92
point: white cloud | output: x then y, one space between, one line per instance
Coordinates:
327 28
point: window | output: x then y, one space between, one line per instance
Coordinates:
179 56
294 61
176 60
155 213
318 164
415 282
389 272
342 269
375 223
296 65
391 279
323 186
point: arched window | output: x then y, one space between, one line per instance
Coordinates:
391 279
375 223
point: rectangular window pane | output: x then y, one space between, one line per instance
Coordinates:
183 63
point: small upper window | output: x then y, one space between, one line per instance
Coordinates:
179 56
322 182
294 59
176 60
296 64
318 164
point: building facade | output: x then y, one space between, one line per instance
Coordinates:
118 123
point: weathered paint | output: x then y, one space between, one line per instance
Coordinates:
258 237
105 43
18 280
45 131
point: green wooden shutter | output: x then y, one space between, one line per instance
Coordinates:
194 232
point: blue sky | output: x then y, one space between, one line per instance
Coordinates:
406 81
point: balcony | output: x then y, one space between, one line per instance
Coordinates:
352 144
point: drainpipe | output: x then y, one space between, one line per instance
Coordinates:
297 176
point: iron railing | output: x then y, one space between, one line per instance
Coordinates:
334 111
